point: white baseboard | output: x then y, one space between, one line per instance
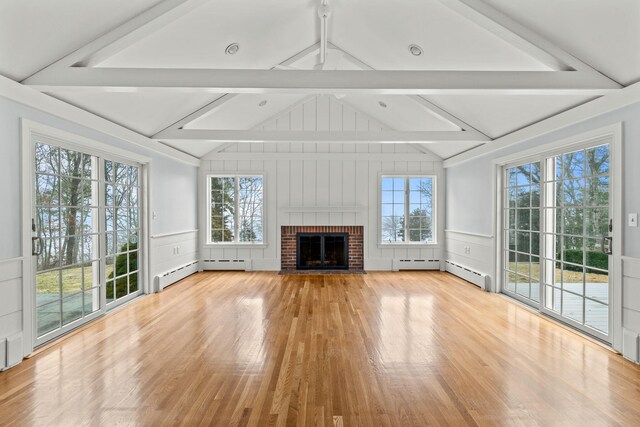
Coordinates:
172 276
479 279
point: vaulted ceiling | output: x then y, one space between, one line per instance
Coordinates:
486 68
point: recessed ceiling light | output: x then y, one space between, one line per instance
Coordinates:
262 103
415 50
382 104
232 49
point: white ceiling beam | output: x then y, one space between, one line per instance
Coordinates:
425 137
206 109
434 109
597 108
424 103
508 29
321 82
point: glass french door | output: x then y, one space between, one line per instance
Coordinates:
557 243
86 230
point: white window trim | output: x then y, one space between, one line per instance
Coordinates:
435 207
235 243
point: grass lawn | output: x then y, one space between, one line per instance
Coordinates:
567 276
49 282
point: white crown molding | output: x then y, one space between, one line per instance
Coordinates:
32 98
610 102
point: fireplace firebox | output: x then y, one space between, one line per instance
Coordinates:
322 251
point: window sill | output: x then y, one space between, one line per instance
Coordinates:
409 245
237 245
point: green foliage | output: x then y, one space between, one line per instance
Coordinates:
121 269
594 259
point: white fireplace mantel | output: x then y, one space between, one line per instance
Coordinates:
314 209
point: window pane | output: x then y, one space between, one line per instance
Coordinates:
49 317
573 164
47 190
250 205
597 191
70 163
387 184
421 211
573 192
596 315
523 174
72 308
597 159
572 306
47 158
222 209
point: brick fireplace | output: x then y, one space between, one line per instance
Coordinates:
289 240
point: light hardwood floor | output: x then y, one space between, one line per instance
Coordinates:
408 348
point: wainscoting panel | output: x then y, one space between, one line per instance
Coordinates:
10 312
631 308
470 253
170 252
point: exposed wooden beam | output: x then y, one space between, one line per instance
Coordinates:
424 137
313 81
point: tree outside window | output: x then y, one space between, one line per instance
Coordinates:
236 209
407 209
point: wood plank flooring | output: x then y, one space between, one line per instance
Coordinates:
407 348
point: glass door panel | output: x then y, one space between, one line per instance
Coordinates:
577 218
67 268
522 232
122 230
556 223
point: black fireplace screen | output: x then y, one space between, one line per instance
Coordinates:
322 251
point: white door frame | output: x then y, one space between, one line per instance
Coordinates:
29 131
614 134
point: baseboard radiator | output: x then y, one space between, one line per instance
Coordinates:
472 276
172 276
10 351
416 264
226 264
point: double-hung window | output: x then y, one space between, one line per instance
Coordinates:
408 210
235 209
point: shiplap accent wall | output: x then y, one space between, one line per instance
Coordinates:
631 308
322 113
322 184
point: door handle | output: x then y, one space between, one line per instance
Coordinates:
40 246
606 245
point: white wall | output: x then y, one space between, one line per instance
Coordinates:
172 183
304 180
470 202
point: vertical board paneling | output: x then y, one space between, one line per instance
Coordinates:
337 182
